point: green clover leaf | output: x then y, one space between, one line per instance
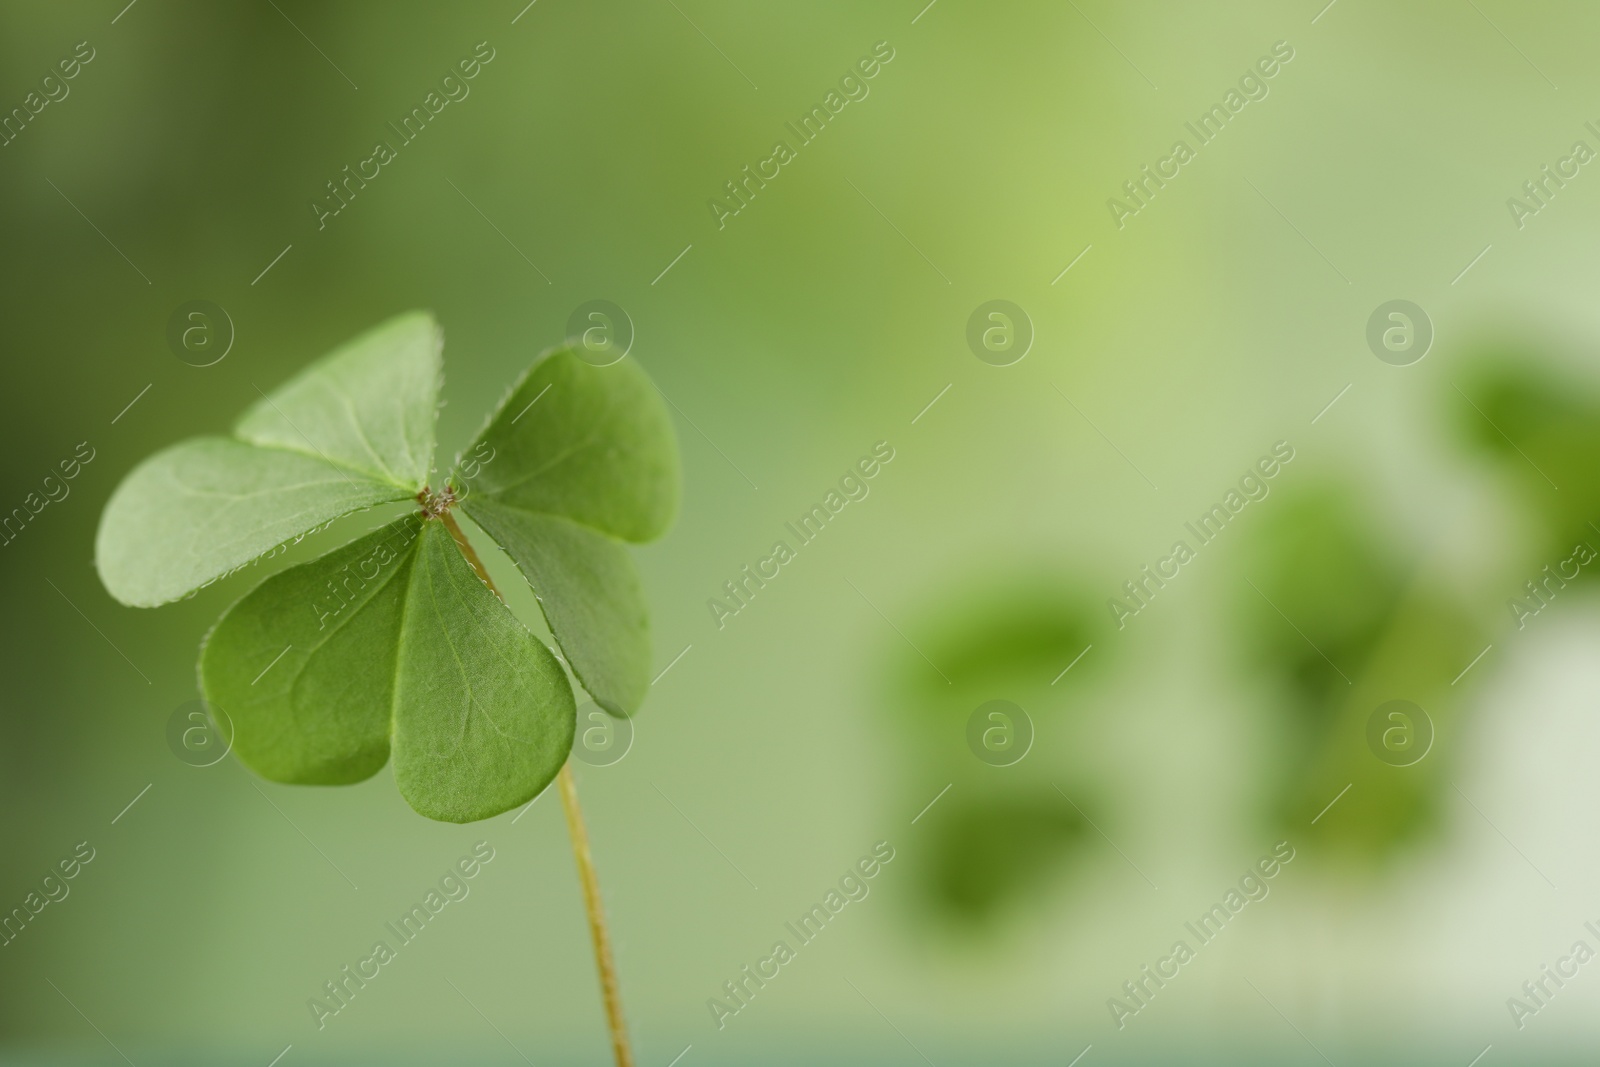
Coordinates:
353 430
581 458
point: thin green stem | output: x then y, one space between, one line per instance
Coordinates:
610 990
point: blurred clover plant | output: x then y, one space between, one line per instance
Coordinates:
1009 826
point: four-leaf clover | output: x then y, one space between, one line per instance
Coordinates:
392 646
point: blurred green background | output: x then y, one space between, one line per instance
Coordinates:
826 716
